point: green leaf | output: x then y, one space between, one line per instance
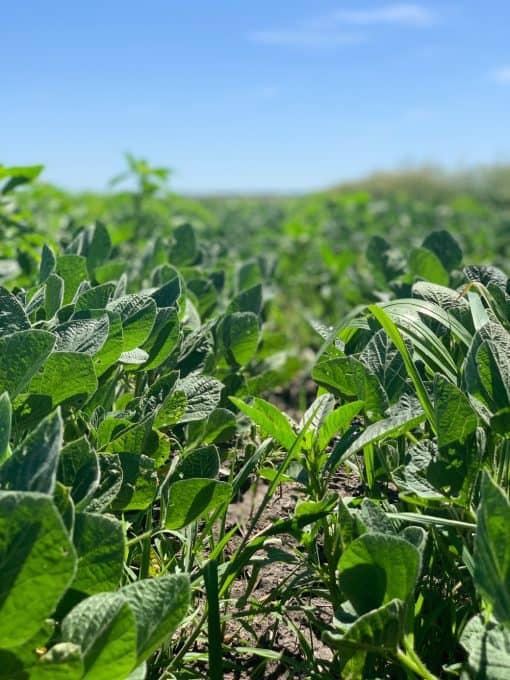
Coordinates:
394 426
38 563
163 339
139 482
377 631
348 376
99 246
200 463
220 426
112 349
377 568
383 360
104 626
240 335
269 419
455 418
65 375
21 356
137 313
95 298
12 314
73 269
203 395
79 470
99 544
337 421
48 263
185 250
82 335
5 426
190 499
445 247
249 300
159 605
424 264
488 648
110 483
33 464
492 548
171 410
53 295
394 334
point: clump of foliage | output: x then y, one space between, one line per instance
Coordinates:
134 413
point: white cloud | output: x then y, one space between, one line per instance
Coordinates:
343 27
502 75
403 14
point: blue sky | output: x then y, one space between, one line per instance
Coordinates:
251 96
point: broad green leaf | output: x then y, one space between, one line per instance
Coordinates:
5 426
137 313
377 568
270 419
12 314
168 294
455 418
48 263
190 499
112 349
488 647
104 626
337 422
203 395
377 631
38 563
424 264
447 298
486 274
53 295
383 360
348 376
220 426
139 482
73 269
98 246
33 464
240 335
79 470
99 544
163 339
159 605
184 250
82 335
95 298
394 426
249 300
445 247
21 356
65 375
110 483
171 410
203 462
492 548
